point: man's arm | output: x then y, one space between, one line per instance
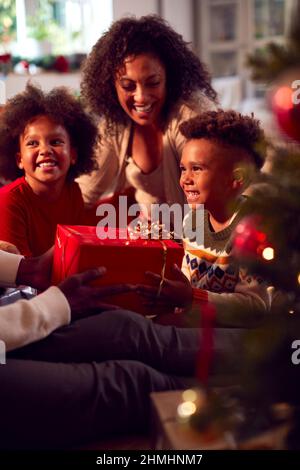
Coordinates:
34 272
26 321
9 265
31 320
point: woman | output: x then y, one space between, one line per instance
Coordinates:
143 81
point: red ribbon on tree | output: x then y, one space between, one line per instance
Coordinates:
206 353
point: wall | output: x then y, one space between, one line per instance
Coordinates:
135 7
179 13
14 83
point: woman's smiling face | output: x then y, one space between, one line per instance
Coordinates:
141 88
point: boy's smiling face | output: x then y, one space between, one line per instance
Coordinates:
207 174
45 154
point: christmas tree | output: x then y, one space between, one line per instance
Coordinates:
268 238
267 241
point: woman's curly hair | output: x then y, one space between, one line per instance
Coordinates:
61 106
231 128
130 37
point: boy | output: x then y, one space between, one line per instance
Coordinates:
217 162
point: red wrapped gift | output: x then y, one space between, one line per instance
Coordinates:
78 248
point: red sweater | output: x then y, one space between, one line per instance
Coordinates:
29 222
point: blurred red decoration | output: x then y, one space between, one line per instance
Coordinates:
61 64
5 64
25 65
5 58
285 101
248 240
206 351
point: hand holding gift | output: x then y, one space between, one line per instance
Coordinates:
85 300
165 292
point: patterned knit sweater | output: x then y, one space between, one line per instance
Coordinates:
240 299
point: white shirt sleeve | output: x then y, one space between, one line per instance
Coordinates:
29 320
9 264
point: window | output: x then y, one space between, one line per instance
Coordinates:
232 29
224 64
65 26
268 18
7 24
223 22
84 22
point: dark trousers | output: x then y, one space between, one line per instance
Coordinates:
93 378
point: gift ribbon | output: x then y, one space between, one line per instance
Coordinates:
163 270
152 231
74 231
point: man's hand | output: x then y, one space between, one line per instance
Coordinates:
36 272
86 300
177 292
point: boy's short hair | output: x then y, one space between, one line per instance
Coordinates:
231 128
61 106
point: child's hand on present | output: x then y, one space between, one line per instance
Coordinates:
177 292
86 300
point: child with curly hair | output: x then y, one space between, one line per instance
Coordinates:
46 141
219 160
142 79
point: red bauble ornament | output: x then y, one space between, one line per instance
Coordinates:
285 101
25 65
249 240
